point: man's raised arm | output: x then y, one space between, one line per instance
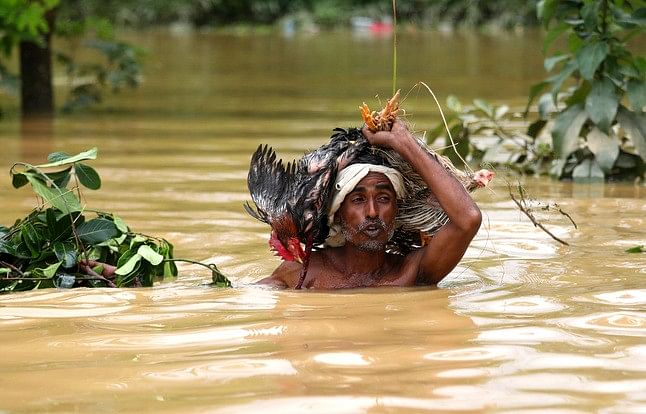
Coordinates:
447 247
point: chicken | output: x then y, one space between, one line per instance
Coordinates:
271 185
294 199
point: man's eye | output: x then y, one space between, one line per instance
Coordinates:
357 199
384 199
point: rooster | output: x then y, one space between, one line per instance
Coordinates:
271 184
294 198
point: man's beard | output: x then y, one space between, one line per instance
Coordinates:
370 245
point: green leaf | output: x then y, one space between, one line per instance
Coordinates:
567 126
579 95
552 35
635 125
170 270
545 10
97 230
63 199
453 103
534 91
550 62
57 156
60 178
546 106
30 239
500 111
636 91
627 161
638 18
461 149
536 127
557 80
218 278
604 148
7 248
129 266
590 56
137 240
66 253
601 104
61 229
636 249
590 13
87 176
574 42
50 271
484 106
50 217
150 255
85 155
588 171
121 225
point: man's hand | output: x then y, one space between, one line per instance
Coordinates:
389 139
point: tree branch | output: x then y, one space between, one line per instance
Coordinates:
533 219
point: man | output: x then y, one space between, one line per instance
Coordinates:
365 220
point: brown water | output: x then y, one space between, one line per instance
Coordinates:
522 325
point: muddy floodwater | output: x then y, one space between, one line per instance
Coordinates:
522 325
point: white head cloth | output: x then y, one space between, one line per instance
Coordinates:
346 180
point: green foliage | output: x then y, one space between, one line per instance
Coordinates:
483 132
599 88
60 244
20 20
637 249
23 20
121 69
326 13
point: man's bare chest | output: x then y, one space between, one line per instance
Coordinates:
324 276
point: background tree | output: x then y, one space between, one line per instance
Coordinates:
27 25
600 90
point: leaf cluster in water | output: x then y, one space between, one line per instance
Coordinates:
62 244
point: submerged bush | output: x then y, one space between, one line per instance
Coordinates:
66 245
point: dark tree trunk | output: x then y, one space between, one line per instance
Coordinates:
36 89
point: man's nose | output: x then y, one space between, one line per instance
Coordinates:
371 209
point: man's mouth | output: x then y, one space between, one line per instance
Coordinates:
372 229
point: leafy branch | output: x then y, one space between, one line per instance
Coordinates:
60 246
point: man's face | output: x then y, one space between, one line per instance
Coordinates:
367 214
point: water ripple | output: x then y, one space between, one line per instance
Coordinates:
622 323
227 370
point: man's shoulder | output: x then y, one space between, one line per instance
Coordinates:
284 275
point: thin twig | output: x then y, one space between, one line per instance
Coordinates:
88 270
568 216
12 267
536 223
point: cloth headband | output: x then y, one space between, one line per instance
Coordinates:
347 179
